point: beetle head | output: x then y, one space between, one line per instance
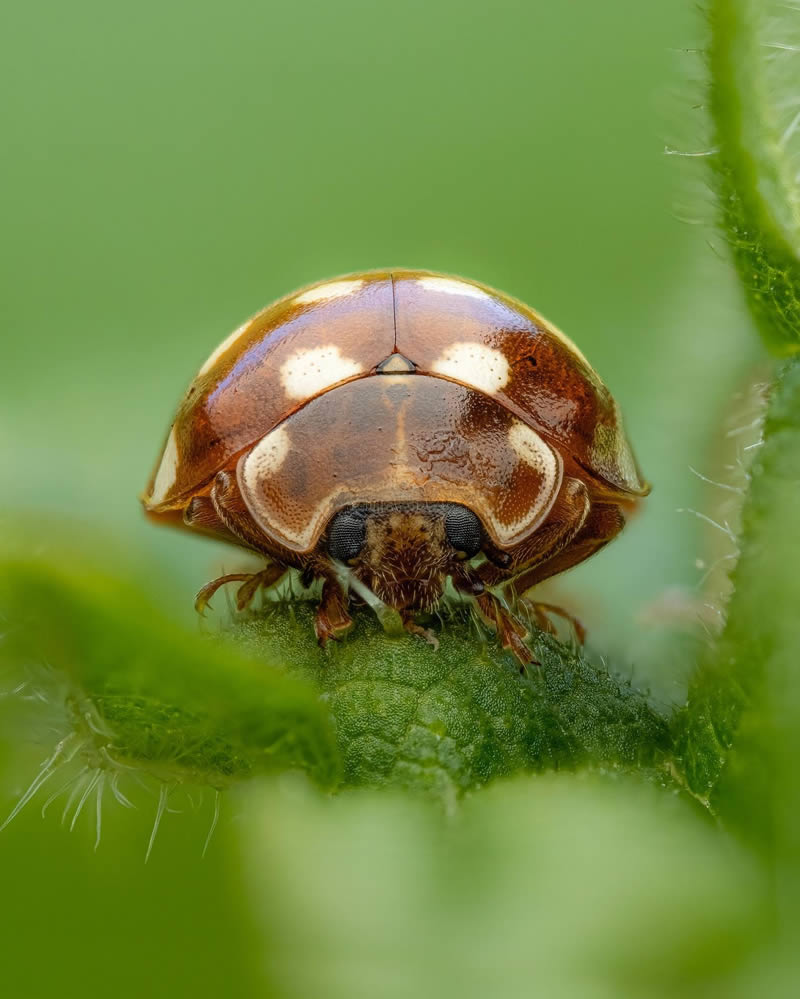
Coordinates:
405 552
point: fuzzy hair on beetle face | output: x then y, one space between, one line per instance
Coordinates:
406 556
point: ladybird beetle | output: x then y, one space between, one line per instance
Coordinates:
387 430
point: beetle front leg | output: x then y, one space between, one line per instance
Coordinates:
565 522
332 618
510 630
411 626
204 595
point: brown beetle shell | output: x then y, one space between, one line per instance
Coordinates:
399 439
457 363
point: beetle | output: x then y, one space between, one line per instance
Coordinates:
387 430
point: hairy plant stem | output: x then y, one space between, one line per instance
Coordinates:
758 201
731 694
733 739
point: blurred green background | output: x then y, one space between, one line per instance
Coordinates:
168 170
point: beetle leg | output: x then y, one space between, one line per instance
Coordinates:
604 522
332 619
251 583
204 595
510 630
259 580
413 628
496 556
537 612
557 535
541 612
227 506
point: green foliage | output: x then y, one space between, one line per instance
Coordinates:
554 886
452 718
738 739
187 708
588 873
728 737
754 176
169 703
735 679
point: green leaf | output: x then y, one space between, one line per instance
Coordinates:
170 703
727 736
753 174
392 709
557 885
452 718
738 739
733 747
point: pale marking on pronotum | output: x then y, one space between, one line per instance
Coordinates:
265 459
401 479
452 286
324 292
308 372
475 364
268 504
226 344
167 470
530 448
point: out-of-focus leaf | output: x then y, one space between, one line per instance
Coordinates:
555 885
170 702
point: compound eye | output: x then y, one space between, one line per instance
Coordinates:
463 531
347 535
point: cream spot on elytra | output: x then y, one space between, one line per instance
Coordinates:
167 471
484 368
324 292
452 286
308 372
228 342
